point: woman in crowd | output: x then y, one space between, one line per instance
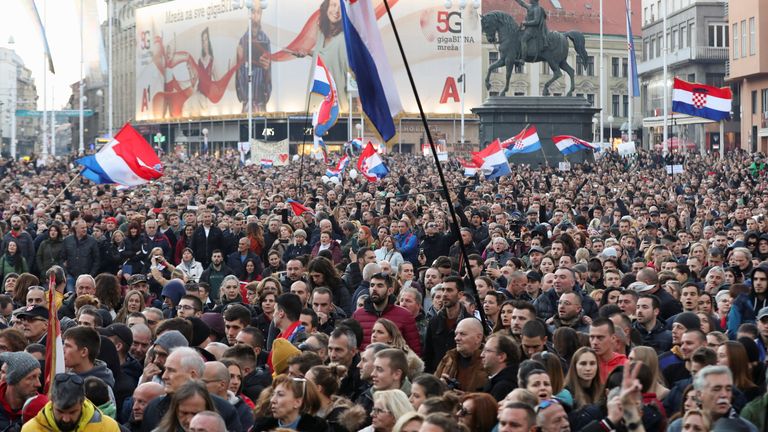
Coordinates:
322 273
327 243
49 251
388 252
537 381
194 397
478 412
387 332
24 281
554 368
108 291
292 406
648 357
114 253
12 261
274 264
137 257
505 318
184 242
547 265
285 235
583 379
255 235
332 407
250 273
9 283
191 267
266 302
230 293
236 380
410 422
492 307
388 406
133 302
733 355
423 387
298 247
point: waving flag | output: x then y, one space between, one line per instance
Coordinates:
267 163
340 167
320 150
494 162
635 88
328 112
526 141
570 144
54 348
470 168
699 100
368 60
30 6
370 164
298 208
128 160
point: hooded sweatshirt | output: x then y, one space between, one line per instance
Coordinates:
91 420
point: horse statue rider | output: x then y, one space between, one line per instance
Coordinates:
534 30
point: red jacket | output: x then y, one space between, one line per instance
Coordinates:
367 317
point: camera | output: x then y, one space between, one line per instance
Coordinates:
453 384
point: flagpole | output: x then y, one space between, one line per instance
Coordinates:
722 140
446 193
630 89
602 76
665 145
71 182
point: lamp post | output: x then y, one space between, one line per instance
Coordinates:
610 126
595 126
462 71
205 139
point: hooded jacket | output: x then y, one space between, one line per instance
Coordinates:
91 420
100 370
10 420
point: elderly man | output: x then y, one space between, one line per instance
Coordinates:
141 397
216 378
185 364
207 421
462 367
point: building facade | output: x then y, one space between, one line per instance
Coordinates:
583 16
748 70
697 39
17 92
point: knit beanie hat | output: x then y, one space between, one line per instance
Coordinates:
20 364
689 320
282 352
171 339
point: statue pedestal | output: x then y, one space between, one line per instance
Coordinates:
504 117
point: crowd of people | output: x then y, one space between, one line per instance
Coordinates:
223 297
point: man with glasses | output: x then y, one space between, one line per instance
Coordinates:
189 306
500 357
216 378
34 323
154 316
70 410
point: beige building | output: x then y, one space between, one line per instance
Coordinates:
748 70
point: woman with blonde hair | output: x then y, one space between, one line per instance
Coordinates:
387 332
648 356
410 422
388 406
133 302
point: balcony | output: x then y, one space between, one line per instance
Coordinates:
711 53
699 53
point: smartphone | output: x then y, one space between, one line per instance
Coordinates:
127 269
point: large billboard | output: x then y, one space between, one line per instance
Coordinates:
192 56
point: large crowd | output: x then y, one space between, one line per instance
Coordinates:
611 296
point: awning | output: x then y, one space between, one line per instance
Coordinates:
673 120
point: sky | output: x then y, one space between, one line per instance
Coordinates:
62 24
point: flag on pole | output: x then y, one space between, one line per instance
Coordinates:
527 141
328 112
370 164
31 8
128 160
319 149
570 144
340 167
635 87
298 208
699 100
54 348
470 168
368 60
494 162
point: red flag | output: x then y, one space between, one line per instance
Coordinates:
299 208
54 348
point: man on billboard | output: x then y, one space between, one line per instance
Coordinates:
261 66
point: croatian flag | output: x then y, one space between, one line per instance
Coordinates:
635 88
128 160
494 162
267 163
54 349
370 164
340 167
570 144
470 168
526 141
328 112
319 149
368 60
699 100
298 208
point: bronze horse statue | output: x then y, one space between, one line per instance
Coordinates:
502 28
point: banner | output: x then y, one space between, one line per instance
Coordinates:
276 151
192 56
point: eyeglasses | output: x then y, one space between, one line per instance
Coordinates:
377 411
64 377
546 404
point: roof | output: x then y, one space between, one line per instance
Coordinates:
581 15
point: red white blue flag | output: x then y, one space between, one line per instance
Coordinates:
340 167
328 112
128 160
570 144
699 100
370 164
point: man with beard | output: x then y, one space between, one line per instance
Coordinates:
22 238
69 410
651 328
441 336
22 378
155 365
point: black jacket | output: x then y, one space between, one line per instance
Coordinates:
203 246
255 382
81 256
306 423
502 383
157 408
440 339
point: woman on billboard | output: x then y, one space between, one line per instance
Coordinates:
331 47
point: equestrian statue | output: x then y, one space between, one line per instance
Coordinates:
531 42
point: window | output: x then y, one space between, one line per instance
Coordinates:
615 105
715 79
494 93
493 57
684 41
744 38
717 35
589 69
691 77
735 40
625 107
650 48
517 93
658 46
752 48
689 41
591 99
764 97
646 46
754 101
674 40
624 66
615 71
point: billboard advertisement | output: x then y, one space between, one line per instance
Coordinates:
192 56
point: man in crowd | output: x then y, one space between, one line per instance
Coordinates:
651 328
441 336
143 394
22 379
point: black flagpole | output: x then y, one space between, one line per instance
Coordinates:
454 218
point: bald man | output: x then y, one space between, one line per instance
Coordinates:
216 378
141 397
207 421
462 367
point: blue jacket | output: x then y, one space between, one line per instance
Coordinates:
408 245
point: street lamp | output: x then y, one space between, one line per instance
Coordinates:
595 126
610 125
462 74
